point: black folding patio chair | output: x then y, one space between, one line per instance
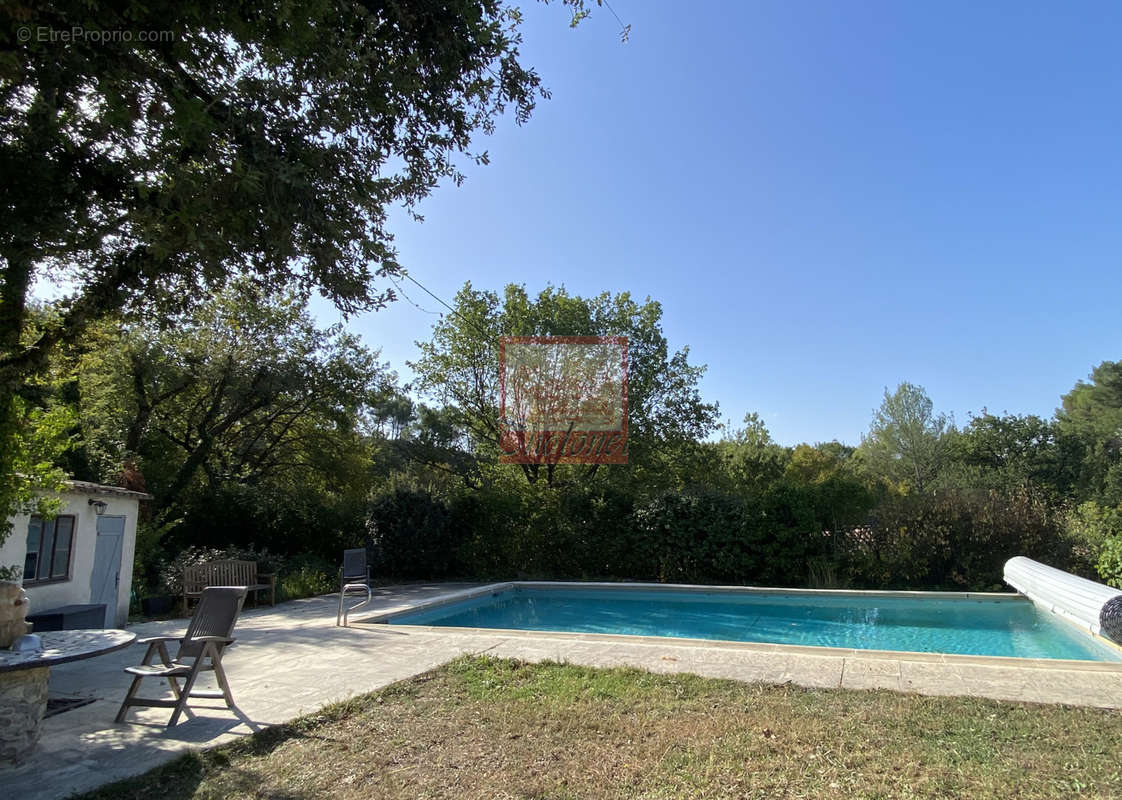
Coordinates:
354 576
200 650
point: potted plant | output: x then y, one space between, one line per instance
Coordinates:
13 606
157 598
157 605
154 595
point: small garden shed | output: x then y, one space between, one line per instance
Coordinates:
82 557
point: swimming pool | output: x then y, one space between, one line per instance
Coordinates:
994 625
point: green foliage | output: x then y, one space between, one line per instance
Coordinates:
255 428
1088 528
745 510
411 536
307 576
246 420
826 573
828 475
1095 534
270 143
267 145
248 390
456 368
697 539
1091 422
1009 450
288 519
595 532
751 462
148 557
171 571
1109 563
954 539
32 441
906 443
581 531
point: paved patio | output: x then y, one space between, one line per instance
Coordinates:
291 660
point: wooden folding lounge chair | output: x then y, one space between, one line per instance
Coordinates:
353 577
200 649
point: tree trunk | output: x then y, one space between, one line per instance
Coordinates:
13 315
16 278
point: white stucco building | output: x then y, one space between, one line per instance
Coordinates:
84 555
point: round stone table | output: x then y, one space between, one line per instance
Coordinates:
23 682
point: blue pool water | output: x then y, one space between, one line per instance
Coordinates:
1008 627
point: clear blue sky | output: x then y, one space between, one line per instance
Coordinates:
827 199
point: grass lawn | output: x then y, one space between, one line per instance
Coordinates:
488 728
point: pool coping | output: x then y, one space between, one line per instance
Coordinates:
384 617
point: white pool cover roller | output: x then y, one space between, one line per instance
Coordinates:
1093 606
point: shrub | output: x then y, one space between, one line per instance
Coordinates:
722 538
486 521
148 558
411 537
171 571
307 576
824 573
1100 532
1109 563
290 520
786 536
541 532
954 539
1091 530
598 532
681 538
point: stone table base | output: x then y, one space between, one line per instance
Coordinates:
23 699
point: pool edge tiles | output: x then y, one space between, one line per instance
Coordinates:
386 615
764 590
813 651
503 586
834 623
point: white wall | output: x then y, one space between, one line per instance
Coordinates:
77 590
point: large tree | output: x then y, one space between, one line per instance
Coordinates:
1091 421
239 392
458 368
906 443
750 460
150 150
1002 451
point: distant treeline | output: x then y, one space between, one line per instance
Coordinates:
254 427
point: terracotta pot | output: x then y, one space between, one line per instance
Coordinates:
13 612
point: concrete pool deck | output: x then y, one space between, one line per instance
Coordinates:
292 659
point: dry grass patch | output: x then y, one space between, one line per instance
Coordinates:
488 728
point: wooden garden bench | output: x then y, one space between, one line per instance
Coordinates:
227 572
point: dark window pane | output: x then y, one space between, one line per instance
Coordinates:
34 538
46 549
64 533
